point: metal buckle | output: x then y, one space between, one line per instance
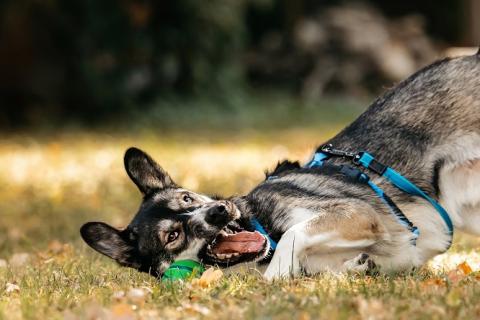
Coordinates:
329 149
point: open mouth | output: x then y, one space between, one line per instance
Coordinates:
233 245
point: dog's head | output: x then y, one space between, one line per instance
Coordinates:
237 242
172 223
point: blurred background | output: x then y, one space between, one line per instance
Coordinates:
217 91
91 61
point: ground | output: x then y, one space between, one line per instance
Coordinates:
53 181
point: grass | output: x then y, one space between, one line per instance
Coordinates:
52 182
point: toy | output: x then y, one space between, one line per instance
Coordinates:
183 269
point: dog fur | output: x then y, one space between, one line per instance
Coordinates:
164 228
427 128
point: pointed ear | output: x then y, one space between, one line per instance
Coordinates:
145 172
111 242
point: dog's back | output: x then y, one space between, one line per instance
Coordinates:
427 128
428 112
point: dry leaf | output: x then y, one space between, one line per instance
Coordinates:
55 247
210 276
303 316
465 268
433 282
11 287
122 311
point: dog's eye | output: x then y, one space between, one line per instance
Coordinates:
172 236
187 199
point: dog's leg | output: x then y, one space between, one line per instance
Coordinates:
461 195
285 261
338 236
361 263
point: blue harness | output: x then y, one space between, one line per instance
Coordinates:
258 227
367 161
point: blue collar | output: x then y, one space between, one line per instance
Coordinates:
258 227
367 161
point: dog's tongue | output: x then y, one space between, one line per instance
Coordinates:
242 242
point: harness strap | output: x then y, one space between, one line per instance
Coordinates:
366 160
362 177
258 227
395 210
318 159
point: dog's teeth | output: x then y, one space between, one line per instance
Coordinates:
225 255
236 254
223 233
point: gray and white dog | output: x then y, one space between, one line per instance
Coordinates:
427 128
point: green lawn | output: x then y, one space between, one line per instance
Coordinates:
53 181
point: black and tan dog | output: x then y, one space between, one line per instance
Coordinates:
427 128
164 228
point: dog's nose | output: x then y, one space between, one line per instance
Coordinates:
217 215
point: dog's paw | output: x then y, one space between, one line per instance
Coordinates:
271 275
278 273
362 263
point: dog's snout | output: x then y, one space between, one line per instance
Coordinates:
217 215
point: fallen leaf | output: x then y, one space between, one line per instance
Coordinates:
465 268
55 247
122 311
303 316
11 287
433 282
210 276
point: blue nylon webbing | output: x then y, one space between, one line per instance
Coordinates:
258 227
407 186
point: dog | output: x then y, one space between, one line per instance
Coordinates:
427 128
163 228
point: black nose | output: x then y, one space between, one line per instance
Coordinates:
217 215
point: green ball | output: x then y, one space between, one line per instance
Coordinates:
183 269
